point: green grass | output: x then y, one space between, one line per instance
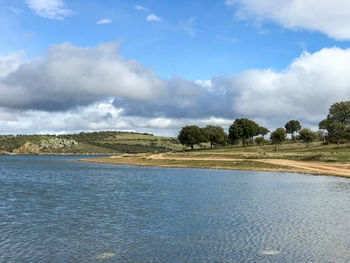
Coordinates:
292 151
107 142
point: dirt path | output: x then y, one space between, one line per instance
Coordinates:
313 167
318 167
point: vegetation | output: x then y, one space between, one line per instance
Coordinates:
276 154
260 140
216 135
263 131
337 122
340 112
243 129
105 142
278 137
337 125
191 135
292 127
261 158
307 136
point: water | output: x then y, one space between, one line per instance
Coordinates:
54 209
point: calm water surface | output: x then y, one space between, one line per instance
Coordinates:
54 209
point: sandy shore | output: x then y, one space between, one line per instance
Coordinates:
273 165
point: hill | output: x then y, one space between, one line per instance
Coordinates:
104 142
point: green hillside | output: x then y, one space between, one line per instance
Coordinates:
105 142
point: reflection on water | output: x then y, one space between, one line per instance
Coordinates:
269 252
53 209
105 255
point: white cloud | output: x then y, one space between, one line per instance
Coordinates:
328 17
304 90
53 9
153 17
141 8
10 63
74 88
204 83
104 21
98 116
71 75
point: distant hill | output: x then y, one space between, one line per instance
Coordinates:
104 142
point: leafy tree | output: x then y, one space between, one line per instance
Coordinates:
336 131
337 121
216 135
292 126
243 129
191 135
323 125
263 131
278 136
340 112
260 140
307 136
347 132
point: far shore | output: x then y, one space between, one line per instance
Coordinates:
201 160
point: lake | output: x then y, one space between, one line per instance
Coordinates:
55 209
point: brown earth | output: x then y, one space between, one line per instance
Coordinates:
276 165
309 167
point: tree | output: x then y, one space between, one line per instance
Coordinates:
307 136
260 140
216 135
191 135
292 126
337 131
337 121
243 129
340 112
323 125
263 131
278 136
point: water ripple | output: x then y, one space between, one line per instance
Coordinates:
53 209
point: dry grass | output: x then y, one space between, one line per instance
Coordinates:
294 157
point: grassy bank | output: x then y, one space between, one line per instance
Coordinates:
291 157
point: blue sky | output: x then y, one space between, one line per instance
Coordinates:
181 42
194 40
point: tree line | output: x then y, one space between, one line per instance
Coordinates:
334 129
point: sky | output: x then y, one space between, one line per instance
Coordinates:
154 66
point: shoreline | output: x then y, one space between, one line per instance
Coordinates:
263 165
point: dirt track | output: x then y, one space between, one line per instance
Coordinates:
310 167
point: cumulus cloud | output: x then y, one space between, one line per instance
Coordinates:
98 116
52 9
69 76
153 17
104 21
74 88
328 17
182 99
303 91
10 63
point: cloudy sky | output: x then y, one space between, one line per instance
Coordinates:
155 66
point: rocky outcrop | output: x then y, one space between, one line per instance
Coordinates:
28 147
46 146
56 144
